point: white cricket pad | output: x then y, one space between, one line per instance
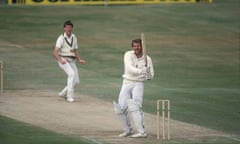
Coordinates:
123 117
135 111
117 108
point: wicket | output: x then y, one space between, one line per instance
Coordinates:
1 77
165 109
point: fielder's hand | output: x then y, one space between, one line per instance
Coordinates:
62 61
82 61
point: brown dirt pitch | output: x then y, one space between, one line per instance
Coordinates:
87 117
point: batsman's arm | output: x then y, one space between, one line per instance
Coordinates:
150 65
147 60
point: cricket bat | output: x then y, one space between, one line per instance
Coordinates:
144 49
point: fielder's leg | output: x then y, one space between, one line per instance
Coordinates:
70 85
124 119
63 93
76 79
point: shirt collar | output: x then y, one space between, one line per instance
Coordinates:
65 35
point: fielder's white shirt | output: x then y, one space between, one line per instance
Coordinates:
66 44
133 67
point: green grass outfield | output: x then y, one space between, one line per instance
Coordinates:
14 132
194 47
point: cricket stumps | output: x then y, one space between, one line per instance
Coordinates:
163 106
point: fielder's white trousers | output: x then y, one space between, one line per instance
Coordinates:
71 70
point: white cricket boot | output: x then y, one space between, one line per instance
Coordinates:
126 133
70 96
69 99
63 93
139 135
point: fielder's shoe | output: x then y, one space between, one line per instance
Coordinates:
62 94
139 135
70 99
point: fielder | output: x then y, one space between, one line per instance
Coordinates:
130 100
66 53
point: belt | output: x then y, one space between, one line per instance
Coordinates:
72 57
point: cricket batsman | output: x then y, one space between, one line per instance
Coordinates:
138 67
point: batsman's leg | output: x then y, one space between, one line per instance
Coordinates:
137 117
124 119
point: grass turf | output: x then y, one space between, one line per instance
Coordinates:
14 132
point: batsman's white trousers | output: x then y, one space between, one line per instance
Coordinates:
131 90
71 70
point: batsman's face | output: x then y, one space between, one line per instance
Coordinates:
68 29
137 49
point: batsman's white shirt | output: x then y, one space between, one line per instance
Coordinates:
133 67
133 79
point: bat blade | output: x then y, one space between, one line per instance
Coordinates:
144 48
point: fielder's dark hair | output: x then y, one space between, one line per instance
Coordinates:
68 22
137 41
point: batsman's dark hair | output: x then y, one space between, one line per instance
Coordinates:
137 41
68 22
